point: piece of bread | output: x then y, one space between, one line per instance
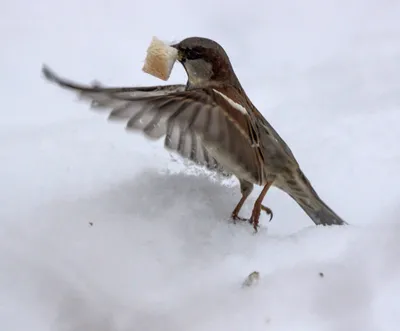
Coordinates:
160 59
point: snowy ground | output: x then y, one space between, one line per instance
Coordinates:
103 231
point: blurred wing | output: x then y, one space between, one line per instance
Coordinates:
183 117
97 93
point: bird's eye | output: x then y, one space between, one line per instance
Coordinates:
192 54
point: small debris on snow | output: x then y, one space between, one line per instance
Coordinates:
91 223
251 279
321 274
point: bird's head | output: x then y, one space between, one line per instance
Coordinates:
205 61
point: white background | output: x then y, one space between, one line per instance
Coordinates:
162 253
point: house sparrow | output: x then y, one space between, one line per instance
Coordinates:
212 122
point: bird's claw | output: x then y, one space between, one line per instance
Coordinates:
254 217
254 220
242 219
238 218
268 211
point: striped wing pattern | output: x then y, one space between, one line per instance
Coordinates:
193 123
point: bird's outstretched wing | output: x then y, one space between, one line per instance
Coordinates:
96 93
156 111
198 124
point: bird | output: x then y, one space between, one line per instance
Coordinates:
211 121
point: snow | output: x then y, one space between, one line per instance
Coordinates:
102 230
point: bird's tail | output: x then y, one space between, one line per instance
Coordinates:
301 190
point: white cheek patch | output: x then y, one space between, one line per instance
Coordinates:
233 103
160 59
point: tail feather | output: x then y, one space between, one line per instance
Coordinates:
304 194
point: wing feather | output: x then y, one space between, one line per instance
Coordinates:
193 123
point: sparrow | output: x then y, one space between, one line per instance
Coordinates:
212 122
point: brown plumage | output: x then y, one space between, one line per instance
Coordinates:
212 122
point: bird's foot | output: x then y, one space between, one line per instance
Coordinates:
254 220
255 216
251 220
236 217
268 211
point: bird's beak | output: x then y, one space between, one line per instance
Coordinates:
180 56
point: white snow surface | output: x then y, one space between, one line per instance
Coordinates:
103 230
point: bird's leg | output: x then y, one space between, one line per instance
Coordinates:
235 214
246 188
255 215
